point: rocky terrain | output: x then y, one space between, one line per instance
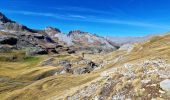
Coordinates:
50 65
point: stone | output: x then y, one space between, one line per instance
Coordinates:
146 81
48 62
165 85
162 92
66 66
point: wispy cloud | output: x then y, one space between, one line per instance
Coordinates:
77 16
110 11
132 23
53 15
94 19
81 9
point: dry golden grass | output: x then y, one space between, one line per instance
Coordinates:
3 33
23 75
28 70
49 87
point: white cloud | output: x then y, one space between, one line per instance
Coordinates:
77 16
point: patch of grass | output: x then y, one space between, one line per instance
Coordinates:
31 58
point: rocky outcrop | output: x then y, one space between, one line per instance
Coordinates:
88 68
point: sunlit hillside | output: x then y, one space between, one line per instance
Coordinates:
123 74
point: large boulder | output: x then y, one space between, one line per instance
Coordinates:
48 62
165 85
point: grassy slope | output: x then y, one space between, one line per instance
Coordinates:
22 77
58 85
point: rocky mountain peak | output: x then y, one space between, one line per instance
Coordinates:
52 29
10 25
76 32
52 32
4 19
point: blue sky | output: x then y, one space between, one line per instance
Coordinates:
103 17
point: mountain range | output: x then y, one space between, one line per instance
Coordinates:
50 65
75 40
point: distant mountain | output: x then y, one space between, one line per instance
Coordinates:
119 41
90 41
83 41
